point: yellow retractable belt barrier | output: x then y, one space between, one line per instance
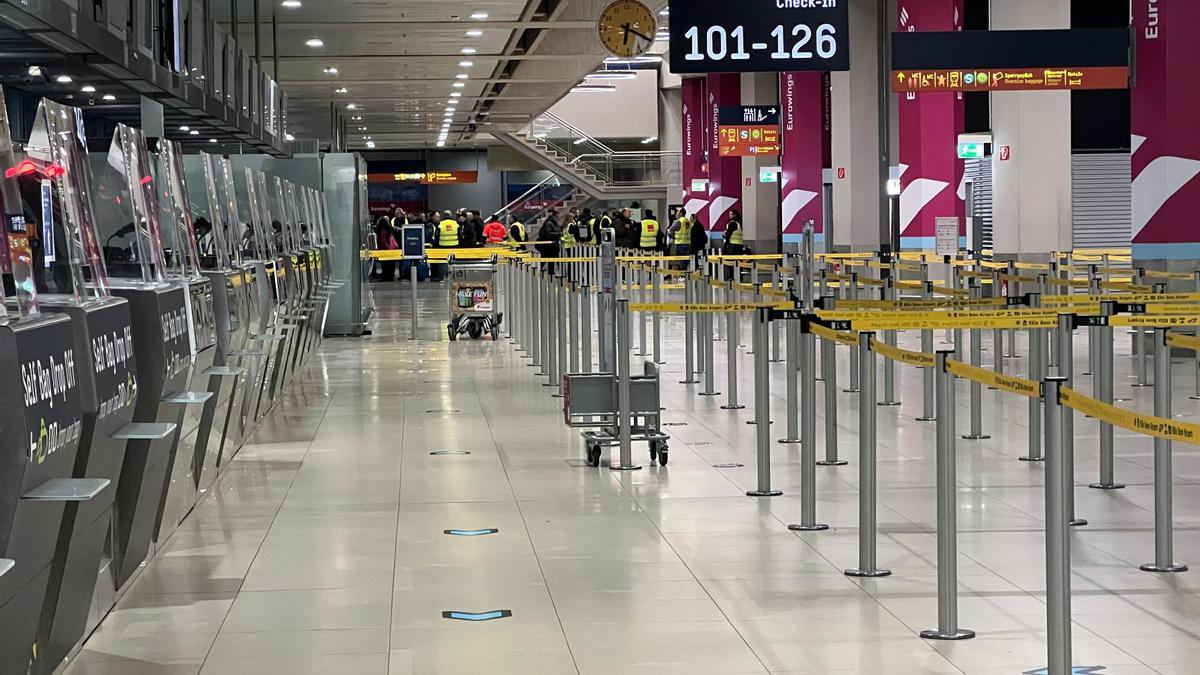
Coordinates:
1171 308
876 321
655 258
722 258
834 335
1184 341
845 256
922 304
1008 383
1181 276
680 308
1155 320
386 255
663 287
1127 297
1172 430
563 260
918 359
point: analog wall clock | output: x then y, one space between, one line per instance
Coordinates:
627 28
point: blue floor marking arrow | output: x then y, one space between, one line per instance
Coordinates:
478 616
470 533
1077 670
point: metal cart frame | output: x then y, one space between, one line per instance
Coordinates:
590 401
473 318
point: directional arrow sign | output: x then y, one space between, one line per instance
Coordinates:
439 453
470 533
478 616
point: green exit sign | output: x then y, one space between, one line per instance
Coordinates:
970 150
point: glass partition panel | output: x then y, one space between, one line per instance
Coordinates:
55 186
260 215
215 240
127 204
179 234
235 231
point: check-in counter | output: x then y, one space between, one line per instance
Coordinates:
224 376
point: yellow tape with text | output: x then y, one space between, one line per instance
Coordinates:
1172 430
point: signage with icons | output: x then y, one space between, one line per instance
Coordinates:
437 177
715 36
972 150
748 131
769 174
1023 79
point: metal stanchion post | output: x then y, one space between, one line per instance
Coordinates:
560 333
1058 542
1196 356
928 414
808 434
656 285
829 370
762 404
573 316
976 388
947 511
791 335
710 368
550 339
721 267
997 334
889 338
539 322
624 416
585 332
412 277
1066 367
1164 528
776 285
867 562
731 348
1012 333
854 355
643 330
1102 389
1093 332
1141 343
1035 373
689 331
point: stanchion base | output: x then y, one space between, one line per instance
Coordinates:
756 422
1142 386
888 404
789 441
760 493
1151 567
781 361
659 362
1194 398
868 573
832 462
689 382
1032 459
556 395
549 384
925 419
625 468
973 437
709 393
1107 486
849 391
1088 372
733 407
1078 522
818 527
960 634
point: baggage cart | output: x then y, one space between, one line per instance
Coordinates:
590 401
473 298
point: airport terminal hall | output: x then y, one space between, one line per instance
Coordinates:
599 337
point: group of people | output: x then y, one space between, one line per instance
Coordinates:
560 231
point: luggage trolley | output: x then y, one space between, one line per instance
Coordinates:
590 400
473 298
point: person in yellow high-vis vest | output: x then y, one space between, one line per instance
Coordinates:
735 241
516 234
448 231
681 235
648 239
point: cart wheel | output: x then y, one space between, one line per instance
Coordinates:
662 455
451 332
495 332
475 330
653 450
593 455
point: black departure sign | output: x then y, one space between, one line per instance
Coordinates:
716 36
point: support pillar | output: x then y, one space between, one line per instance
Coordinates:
802 123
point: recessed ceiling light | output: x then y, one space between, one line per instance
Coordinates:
330 71
474 33
479 16
455 94
291 4
87 89
351 106
185 128
315 42
212 140
465 64
462 76
194 132
468 50
441 144
340 90
289 138
370 145
63 79
109 97
458 85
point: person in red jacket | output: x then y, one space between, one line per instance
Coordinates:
495 232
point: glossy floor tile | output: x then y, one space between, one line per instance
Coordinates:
323 548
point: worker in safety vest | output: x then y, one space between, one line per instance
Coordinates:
569 233
735 241
680 232
448 231
516 234
648 237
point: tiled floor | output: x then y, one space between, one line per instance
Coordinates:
322 549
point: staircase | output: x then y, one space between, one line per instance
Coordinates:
596 169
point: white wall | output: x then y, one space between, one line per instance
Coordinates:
629 112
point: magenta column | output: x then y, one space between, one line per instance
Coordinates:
695 147
802 97
1165 143
724 173
929 127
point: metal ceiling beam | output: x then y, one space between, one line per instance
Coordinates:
428 25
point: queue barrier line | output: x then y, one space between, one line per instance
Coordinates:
842 337
1155 320
1184 341
741 258
705 308
933 322
1170 308
664 287
923 304
1149 425
918 359
1176 276
1128 298
1008 383
839 315
862 255
1021 278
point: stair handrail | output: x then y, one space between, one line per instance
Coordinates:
508 208
573 129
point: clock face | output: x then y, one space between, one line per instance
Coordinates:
627 28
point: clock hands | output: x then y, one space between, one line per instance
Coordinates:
627 29
641 35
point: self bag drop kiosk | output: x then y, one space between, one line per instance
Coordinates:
56 458
128 218
199 402
273 292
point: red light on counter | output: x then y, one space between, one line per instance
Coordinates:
24 168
